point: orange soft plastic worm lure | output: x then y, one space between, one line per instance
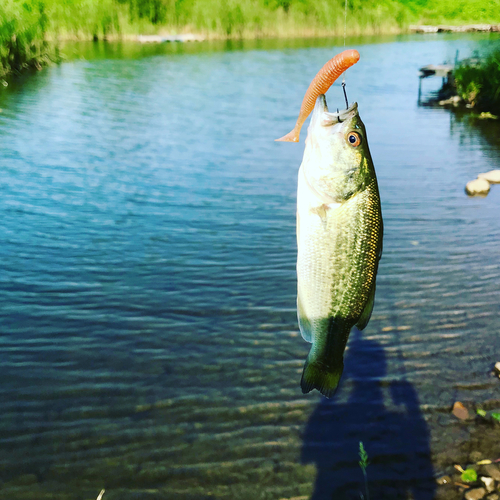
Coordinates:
320 84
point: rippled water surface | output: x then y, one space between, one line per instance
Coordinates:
148 330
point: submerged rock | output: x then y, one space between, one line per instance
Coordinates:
493 176
477 187
460 411
475 456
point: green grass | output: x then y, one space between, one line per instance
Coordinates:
363 463
459 12
479 83
29 28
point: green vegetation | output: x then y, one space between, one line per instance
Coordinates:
363 463
29 28
457 12
469 476
478 83
22 36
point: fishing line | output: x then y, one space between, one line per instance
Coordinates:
345 21
345 35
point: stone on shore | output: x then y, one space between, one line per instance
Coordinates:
489 483
486 115
493 471
452 101
475 494
444 480
455 29
477 187
493 176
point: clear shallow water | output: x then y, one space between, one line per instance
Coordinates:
148 329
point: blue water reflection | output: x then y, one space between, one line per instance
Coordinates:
148 331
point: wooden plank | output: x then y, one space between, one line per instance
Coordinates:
442 70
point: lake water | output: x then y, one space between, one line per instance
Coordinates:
148 332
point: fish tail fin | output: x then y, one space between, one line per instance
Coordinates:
292 136
317 375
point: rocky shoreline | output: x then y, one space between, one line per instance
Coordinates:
448 98
478 476
454 29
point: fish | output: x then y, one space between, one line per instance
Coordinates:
339 241
324 79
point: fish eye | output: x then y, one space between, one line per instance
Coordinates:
354 139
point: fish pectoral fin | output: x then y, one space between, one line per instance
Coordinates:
322 210
304 323
367 312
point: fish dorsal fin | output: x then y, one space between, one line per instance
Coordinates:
367 312
304 323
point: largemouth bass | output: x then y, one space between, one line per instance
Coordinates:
339 239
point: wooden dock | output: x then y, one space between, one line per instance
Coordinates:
445 71
442 70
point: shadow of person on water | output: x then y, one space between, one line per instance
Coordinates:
396 439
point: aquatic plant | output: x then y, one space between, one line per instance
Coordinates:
363 463
478 83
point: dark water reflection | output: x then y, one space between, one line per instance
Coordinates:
397 440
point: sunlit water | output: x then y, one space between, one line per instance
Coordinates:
148 337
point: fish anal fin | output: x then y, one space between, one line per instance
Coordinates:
367 312
304 323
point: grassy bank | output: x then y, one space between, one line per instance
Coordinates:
29 28
478 84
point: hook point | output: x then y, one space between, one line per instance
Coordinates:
345 96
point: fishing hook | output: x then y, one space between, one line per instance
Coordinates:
345 96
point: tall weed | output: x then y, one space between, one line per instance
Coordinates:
479 83
23 36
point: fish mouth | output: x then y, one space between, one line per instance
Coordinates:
327 119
